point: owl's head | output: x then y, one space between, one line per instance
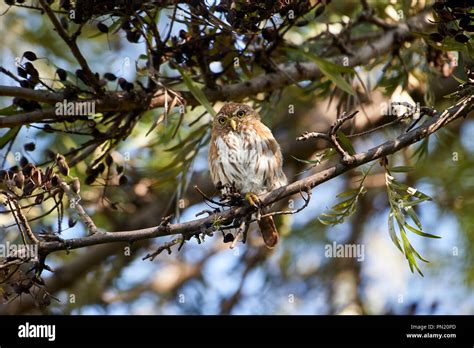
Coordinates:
232 115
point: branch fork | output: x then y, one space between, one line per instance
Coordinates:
332 137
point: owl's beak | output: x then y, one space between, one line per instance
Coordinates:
233 124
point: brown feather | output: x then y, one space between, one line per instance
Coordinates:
269 231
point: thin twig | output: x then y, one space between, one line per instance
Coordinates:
74 200
207 198
243 226
166 246
73 47
23 236
24 223
295 211
332 137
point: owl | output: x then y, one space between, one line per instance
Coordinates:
244 153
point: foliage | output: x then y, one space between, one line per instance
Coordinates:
346 207
157 71
403 199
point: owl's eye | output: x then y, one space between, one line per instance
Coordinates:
241 113
221 120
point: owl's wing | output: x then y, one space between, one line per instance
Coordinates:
213 162
274 176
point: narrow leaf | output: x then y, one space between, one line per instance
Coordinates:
411 212
401 169
307 161
197 92
421 233
8 136
392 233
331 70
346 143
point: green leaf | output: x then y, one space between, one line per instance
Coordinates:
392 233
345 208
116 25
161 117
461 81
9 110
401 169
331 70
422 150
8 136
420 195
399 215
93 36
401 203
244 67
306 161
191 136
451 95
346 143
326 154
197 92
411 212
421 233
77 81
416 202
450 44
410 191
324 222
328 221
329 215
409 251
348 193
344 204
419 256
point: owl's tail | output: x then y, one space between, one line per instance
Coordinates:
269 231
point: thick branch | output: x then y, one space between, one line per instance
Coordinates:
41 96
286 75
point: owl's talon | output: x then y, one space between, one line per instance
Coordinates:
253 200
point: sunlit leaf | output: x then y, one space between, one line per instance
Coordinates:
411 212
392 233
8 136
401 169
421 233
346 143
9 110
345 208
197 92
331 70
306 161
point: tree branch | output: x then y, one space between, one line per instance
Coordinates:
74 200
285 76
42 96
188 229
71 42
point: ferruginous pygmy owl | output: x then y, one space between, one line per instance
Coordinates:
244 153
